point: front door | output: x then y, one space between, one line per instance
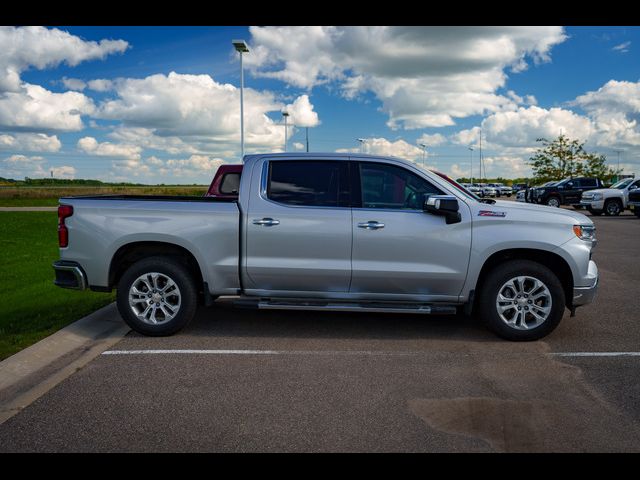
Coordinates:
298 229
397 248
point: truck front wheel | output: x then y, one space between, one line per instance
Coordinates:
157 296
612 208
521 300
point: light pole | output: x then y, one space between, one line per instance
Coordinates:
362 142
241 47
424 153
285 114
618 171
471 165
307 134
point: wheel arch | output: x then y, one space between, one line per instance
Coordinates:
552 261
131 253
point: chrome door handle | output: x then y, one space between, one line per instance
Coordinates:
267 222
371 225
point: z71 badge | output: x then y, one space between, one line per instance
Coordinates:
491 213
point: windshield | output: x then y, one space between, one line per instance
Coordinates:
551 184
622 183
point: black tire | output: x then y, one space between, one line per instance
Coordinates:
594 212
179 274
551 201
488 294
637 212
612 208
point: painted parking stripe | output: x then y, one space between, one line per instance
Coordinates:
345 352
596 354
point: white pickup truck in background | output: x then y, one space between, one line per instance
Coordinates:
611 201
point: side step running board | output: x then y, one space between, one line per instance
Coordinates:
348 307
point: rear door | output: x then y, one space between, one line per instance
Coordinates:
397 248
298 229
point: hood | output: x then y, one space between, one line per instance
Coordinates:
605 191
575 216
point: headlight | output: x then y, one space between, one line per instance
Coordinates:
596 196
585 232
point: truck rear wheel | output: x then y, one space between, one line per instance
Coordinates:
521 300
553 202
157 296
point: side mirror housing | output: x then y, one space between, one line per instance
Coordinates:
443 205
633 187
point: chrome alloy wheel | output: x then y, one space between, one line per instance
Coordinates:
553 202
154 298
524 303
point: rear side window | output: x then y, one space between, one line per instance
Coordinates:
588 182
309 183
230 184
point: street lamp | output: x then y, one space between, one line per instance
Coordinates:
424 153
362 142
285 114
471 165
241 47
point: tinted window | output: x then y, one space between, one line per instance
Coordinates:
388 186
310 183
230 183
588 182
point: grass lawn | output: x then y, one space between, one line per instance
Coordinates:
48 196
33 307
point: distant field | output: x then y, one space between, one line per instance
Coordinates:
32 306
49 195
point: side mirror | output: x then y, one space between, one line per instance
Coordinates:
443 205
570 185
633 187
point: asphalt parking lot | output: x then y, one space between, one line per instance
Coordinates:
313 381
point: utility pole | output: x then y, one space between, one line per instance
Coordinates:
480 154
424 153
362 141
307 133
285 114
618 171
241 47
471 165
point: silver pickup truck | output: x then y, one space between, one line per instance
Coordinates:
331 232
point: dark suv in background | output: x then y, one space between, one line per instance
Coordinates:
564 192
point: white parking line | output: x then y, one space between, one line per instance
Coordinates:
348 352
596 354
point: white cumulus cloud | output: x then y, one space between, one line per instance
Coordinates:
39 47
30 142
91 146
424 76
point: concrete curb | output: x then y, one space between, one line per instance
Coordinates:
32 372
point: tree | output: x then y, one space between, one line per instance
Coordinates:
565 157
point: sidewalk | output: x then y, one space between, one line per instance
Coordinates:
32 372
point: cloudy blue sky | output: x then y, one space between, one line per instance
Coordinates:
161 104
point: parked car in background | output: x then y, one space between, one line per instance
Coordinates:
486 190
565 192
475 189
611 201
634 201
502 189
516 187
520 196
226 182
330 232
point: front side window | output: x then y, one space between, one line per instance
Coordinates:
389 186
588 182
308 183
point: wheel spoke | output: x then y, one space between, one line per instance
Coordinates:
520 296
152 293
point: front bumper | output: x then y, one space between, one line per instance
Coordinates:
69 275
634 206
586 294
593 204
